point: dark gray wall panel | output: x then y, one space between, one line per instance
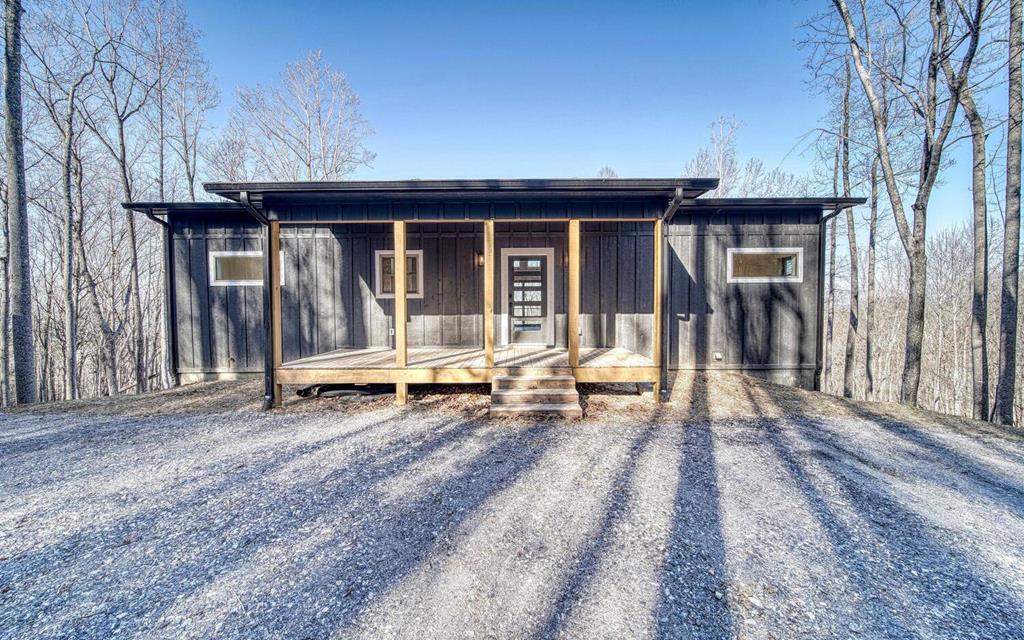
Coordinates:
218 328
617 285
769 327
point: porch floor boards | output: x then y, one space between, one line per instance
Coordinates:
521 356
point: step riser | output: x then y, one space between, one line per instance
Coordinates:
533 383
535 397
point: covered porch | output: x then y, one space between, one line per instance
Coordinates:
589 330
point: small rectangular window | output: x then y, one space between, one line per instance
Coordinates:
236 268
765 265
385 273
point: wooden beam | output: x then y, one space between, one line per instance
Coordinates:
489 293
401 310
274 261
574 293
659 268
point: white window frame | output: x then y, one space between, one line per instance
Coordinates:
799 277
381 253
214 282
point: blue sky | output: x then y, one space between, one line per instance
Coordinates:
545 89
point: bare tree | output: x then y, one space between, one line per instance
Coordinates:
851 235
936 117
607 172
869 311
18 254
309 129
62 63
719 159
125 89
1004 413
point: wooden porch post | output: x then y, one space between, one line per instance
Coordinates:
574 293
489 293
401 310
273 260
659 260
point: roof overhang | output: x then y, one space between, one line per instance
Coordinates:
164 208
828 206
257 192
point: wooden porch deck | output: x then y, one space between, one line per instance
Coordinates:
513 356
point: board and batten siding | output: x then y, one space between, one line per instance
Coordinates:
328 300
219 329
764 329
617 285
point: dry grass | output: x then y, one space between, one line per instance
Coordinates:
712 395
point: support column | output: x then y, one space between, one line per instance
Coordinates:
574 293
489 294
659 271
401 310
273 261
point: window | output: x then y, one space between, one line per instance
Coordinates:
766 265
236 268
385 273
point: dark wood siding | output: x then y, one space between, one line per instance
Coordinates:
617 285
767 329
505 208
219 329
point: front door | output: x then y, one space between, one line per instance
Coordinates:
528 297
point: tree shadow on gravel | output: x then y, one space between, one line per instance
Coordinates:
909 576
693 589
163 556
587 564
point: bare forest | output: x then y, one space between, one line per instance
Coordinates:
111 101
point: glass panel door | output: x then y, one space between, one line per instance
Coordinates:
528 299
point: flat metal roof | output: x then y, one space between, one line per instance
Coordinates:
591 187
827 203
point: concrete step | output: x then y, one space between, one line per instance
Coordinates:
534 396
562 410
533 382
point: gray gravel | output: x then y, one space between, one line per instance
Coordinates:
420 523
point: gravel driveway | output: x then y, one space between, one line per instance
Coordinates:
773 521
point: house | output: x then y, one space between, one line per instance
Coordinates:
532 285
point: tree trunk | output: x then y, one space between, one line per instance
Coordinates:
851 233
869 312
70 310
108 335
20 270
915 325
1011 234
979 293
138 337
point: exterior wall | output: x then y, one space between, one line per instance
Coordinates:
328 300
768 330
504 208
617 285
219 329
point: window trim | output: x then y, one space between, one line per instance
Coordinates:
381 253
214 282
731 279
212 263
